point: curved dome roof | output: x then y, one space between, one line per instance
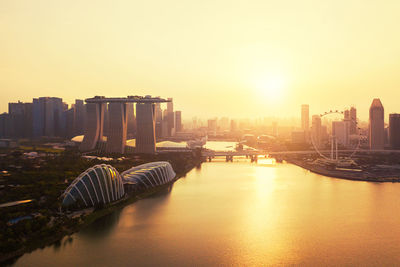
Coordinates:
98 184
150 174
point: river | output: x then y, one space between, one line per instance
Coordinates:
243 213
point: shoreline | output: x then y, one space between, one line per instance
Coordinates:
361 176
8 259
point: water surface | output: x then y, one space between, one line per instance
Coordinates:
243 213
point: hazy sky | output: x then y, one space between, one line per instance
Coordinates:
235 58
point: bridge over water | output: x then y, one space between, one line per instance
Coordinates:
253 154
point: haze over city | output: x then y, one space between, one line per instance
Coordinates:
216 58
199 133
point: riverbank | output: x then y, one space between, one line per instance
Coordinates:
347 175
81 220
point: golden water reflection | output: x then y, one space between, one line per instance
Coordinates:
244 213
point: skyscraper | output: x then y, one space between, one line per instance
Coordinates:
20 119
38 117
178 121
376 125
394 130
353 120
316 130
170 117
305 117
79 120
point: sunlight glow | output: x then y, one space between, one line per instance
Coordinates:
272 87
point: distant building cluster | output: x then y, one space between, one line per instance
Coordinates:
168 122
50 117
345 132
43 117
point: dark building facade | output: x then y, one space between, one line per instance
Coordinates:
394 130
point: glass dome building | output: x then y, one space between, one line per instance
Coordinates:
100 184
149 175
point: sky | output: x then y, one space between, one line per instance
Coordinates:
214 58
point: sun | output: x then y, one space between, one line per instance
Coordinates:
272 87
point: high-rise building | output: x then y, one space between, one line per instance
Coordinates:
394 130
376 125
159 120
305 117
38 117
316 132
353 120
170 116
20 119
54 121
178 121
70 122
4 125
79 121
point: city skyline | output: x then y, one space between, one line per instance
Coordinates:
262 57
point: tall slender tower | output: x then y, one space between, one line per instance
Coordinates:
170 116
394 130
376 125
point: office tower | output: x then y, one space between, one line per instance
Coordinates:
316 137
341 132
145 138
5 125
38 117
20 120
93 126
178 121
131 120
170 116
353 120
159 119
116 139
79 117
376 125
70 115
54 122
305 117
394 130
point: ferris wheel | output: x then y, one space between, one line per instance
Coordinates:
333 140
